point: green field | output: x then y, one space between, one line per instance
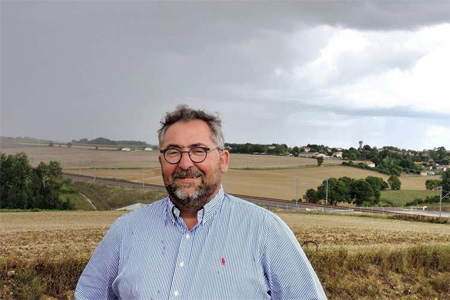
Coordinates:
401 197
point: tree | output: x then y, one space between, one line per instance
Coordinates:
431 184
361 192
352 156
377 184
446 181
23 187
319 161
337 191
394 182
311 196
15 176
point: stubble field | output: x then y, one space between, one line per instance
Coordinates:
29 235
356 258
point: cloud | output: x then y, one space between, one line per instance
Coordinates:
299 71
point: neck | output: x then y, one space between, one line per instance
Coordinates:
188 211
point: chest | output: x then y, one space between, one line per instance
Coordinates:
207 263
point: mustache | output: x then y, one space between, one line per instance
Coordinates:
191 172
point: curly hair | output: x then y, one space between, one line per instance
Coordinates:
184 113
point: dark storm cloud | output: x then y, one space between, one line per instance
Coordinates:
74 69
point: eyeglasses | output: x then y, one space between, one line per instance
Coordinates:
196 154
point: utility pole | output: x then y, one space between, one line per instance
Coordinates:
440 201
95 174
296 191
326 195
143 184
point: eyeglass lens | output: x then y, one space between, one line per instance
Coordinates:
197 155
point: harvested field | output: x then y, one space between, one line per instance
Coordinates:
278 183
356 233
85 158
31 234
357 258
106 158
268 176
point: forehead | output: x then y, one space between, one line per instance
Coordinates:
188 133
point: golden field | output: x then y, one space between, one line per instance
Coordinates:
43 253
29 235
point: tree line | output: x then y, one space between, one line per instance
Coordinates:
389 160
361 192
25 187
106 141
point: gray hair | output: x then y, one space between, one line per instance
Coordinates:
184 113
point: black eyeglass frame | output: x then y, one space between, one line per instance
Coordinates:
206 149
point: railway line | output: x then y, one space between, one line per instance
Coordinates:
271 203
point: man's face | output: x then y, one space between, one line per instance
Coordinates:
191 185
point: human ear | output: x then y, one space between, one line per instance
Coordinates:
224 160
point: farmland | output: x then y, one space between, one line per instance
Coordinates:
259 175
69 237
43 253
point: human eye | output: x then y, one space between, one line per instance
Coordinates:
198 151
172 152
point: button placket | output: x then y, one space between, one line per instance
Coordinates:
180 272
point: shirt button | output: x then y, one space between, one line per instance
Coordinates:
187 236
182 264
176 293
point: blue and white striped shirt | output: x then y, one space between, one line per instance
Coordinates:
237 250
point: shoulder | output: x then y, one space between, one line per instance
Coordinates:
145 213
250 211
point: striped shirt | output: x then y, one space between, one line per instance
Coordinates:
237 250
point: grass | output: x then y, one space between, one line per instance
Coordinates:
399 198
107 197
75 197
417 272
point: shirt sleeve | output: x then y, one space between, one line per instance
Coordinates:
96 280
288 270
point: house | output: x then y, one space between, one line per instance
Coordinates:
126 149
317 155
337 155
441 168
306 154
148 149
370 165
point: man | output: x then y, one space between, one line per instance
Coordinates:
199 243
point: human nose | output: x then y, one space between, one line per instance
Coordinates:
185 161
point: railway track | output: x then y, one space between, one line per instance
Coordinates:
272 203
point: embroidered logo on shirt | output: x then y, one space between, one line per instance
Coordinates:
223 261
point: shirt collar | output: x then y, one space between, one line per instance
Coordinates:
203 215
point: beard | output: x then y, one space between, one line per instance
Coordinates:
186 194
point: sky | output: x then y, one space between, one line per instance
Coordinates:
292 72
